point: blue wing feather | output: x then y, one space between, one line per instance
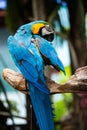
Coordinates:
26 62
49 52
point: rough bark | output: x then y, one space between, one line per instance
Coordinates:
76 83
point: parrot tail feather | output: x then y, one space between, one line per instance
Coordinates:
42 108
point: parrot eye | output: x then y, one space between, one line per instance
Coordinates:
47 33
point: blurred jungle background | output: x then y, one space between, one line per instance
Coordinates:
69 20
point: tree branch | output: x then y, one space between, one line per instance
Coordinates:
6 114
76 83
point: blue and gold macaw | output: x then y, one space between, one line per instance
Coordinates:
31 49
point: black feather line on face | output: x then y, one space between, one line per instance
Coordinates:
47 33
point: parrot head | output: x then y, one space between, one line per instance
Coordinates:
43 29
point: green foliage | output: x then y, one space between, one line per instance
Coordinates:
68 98
59 109
62 78
14 108
63 106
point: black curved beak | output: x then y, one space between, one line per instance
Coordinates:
47 33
